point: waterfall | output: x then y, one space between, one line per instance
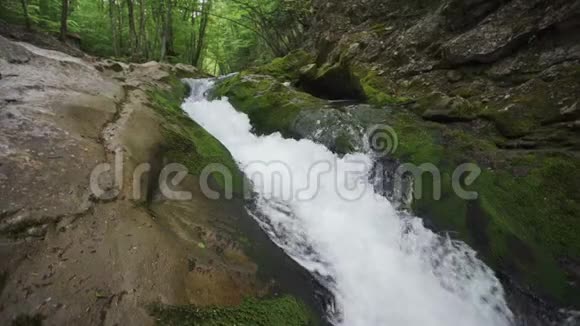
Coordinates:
382 266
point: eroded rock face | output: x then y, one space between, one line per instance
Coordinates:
72 257
53 109
482 50
491 82
504 30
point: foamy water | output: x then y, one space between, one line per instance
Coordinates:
383 268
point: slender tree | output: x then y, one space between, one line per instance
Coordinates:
64 20
133 40
169 47
204 18
113 27
120 24
166 27
143 46
25 13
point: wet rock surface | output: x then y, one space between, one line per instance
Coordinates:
71 257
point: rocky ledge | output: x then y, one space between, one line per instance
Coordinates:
128 256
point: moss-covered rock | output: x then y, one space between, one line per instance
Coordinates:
285 69
332 81
186 142
278 311
343 144
343 80
535 103
377 89
524 219
442 108
271 105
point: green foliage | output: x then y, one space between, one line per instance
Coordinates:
219 36
94 28
252 312
247 33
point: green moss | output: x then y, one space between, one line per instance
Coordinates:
279 311
416 142
332 81
188 143
538 209
514 121
466 91
270 105
525 110
286 68
377 89
540 206
438 106
343 144
378 28
521 223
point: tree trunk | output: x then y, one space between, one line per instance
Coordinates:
167 32
201 35
169 29
162 26
142 43
25 13
120 28
133 41
113 27
63 20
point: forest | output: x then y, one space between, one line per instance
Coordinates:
217 36
373 162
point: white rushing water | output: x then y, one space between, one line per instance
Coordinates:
382 267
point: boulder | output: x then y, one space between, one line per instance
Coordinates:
185 71
442 108
504 30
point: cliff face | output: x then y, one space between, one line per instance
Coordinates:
515 61
505 75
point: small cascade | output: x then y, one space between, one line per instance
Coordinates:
381 264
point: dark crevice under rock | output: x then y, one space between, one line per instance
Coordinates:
336 83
